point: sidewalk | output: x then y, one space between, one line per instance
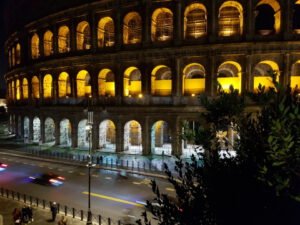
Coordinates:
41 216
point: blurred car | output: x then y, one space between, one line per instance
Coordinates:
3 166
50 179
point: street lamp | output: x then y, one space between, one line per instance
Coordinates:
89 128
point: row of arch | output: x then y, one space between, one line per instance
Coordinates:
230 23
193 79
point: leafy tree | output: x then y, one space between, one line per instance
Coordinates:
261 185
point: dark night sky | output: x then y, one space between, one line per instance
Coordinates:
2 83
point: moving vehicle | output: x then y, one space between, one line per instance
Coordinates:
50 179
3 166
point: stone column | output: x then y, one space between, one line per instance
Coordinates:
249 21
286 70
118 25
248 74
57 131
42 129
74 134
73 83
211 76
55 40
41 84
176 140
146 137
118 83
94 27
95 136
119 136
178 18
146 22
287 19
22 127
73 34
30 135
41 44
213 32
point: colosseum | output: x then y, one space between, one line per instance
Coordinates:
139 65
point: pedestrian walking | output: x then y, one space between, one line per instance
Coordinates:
17 216
53 210
29 213
25 216
63 221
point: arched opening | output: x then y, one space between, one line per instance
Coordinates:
35 50
25 88
263 74
35 87
84 88
18 89
83 141
162 25
48 43
161 138
190 143
231 19
106 32
132 28
133 137
267 17
13 56
83 36
230 75
65 137
36 130
26 128
132 82
195 21
64 39
193 79
107 136
47 86
13 90
296 17
161 81
49 130
64 86
106 83
295 76
18 54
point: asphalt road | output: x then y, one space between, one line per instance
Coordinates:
112 196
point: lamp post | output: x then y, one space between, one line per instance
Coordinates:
89 128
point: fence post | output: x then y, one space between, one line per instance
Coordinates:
66 210
2 192
99 220
58 207
108 221
30 200
37 202
13 195
81 215
7 193
24 198
44 204
18 196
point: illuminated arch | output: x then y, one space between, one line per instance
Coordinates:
82 134
35 87
133 137
18 53
83 84
106 83
161 138
64 39
47 86
18 89
132 82
195 21
26 127
132 28
106 32
35 49
231 20
230 74
295 76
65 132
161 81
13 88
162 25
193 79
268 17
83 36
36 129
25 88
49 130
64 86
107 135
48 43
262 74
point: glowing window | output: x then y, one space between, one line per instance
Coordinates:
64 87
13 90
263 74
18 54
106 32
47 85
25 88
193 79
63 39
35 87
84 88
106 83
230 75
195 21
132 28
162 25
231 19
18 89
132 82
268 17
161 81
13 56
35 50
83 36
48 43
